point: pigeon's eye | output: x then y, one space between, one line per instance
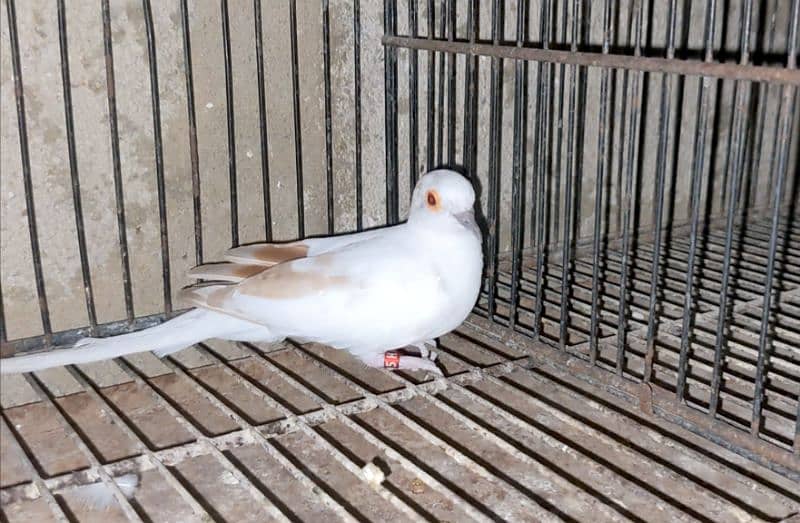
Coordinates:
433 200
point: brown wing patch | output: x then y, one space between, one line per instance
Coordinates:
202 295
225 271
284 281
267 254
211 297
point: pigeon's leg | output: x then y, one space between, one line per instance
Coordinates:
415 363
424 351
392 360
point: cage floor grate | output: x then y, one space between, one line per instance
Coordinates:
238 433
741 336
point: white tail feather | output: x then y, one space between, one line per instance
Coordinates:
100 496
178 333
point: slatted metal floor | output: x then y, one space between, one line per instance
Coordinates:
238 433
745 300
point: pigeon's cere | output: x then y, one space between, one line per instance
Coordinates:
366 293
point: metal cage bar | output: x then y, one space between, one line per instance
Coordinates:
262 116
19 97
159 155
298 133
230 118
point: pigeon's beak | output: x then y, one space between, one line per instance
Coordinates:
466 218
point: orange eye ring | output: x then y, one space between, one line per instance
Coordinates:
433 200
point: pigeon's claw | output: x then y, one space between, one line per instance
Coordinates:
415 363
424 351
396 360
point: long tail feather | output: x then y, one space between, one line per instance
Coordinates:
180 332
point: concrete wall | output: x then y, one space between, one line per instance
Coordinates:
38 35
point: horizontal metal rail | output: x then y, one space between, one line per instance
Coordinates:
729 71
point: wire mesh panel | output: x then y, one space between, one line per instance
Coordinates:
639 190
637 170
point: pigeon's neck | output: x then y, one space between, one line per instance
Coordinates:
447 240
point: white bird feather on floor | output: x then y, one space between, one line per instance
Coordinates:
100 495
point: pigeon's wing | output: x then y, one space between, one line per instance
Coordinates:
233 272
249 260
269 254
366 294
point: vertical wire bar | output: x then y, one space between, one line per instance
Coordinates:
111 91
734 164
159 155
390 112
518 167
3 334
602 159
772 160
262 119
495 110
298 132
36 477
326 56
357 112
542 133
430 95
471 90
440 84
566 246
229 109
66 85
661 166
19 96
193 151
559 127
763 98
697 174
786 112
451 86
630 168
413 97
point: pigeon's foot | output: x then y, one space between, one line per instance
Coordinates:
415 363
398 360
424 350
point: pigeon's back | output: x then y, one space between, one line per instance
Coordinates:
380 293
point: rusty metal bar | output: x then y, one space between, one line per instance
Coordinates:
689 67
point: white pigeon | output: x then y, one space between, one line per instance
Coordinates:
369 293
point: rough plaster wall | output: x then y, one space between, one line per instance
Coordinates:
50 168
38 35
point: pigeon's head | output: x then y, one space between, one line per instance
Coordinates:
441 194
